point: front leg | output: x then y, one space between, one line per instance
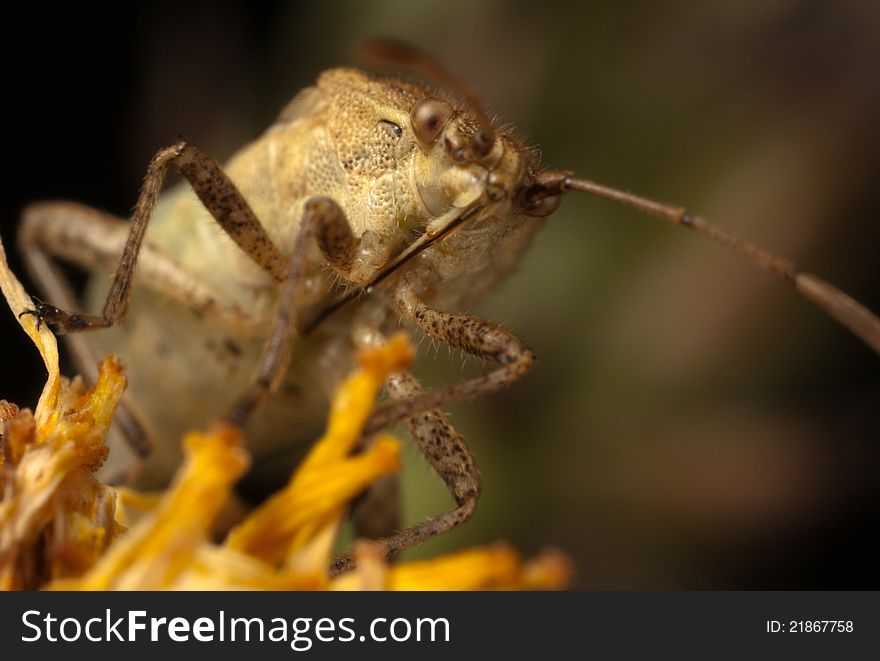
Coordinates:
354 259
323 221
221 198
95 241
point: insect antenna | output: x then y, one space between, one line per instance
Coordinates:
847 311
393 53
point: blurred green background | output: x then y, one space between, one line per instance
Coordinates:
692 423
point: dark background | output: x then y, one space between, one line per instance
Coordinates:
692 423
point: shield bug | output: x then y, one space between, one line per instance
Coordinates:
370 201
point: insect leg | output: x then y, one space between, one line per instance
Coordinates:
126 420
53 284
95 240
470 334
322 218
448 456
333 233
220 197
430 428
355 259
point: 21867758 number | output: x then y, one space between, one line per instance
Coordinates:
820 626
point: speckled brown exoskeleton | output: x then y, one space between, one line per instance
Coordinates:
370 202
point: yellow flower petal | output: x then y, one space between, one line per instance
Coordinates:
163 544
317 493
314 499
551 570
221 568
354 401
496 567
313 557
132 506
370 573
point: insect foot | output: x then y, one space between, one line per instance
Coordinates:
61 321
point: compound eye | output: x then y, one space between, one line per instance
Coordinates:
429 117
